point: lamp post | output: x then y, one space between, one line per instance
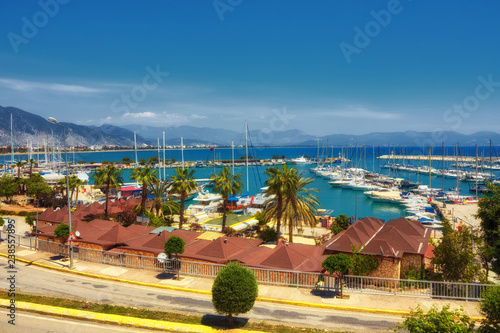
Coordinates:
53 120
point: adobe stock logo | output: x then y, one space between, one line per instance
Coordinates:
30 28
222 6
139 92
363 37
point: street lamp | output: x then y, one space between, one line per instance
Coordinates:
53 120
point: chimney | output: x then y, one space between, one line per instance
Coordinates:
225 241
286 244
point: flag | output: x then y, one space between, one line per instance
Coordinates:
251 200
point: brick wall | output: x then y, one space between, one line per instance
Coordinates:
388 268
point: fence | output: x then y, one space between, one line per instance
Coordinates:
326 282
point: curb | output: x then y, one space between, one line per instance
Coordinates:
206 292
114 319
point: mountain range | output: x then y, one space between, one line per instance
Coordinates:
29 127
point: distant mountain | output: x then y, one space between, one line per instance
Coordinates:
205 135
29 127
200 135
410 139
32 128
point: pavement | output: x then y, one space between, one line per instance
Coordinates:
365 302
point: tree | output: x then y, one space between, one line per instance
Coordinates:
226 184
175 246
2 221
489 214
36 186
454 256
298 202
234 290
31 162
338 263
153 160
143 161
19 165
276 184
157 190
145 176
8 187
300 205
342 221
62 231
490 308
110 177
126 160
444 321
183 183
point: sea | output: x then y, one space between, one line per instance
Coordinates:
337 200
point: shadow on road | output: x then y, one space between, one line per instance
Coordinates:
221 322
324 293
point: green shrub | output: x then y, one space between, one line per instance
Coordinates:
268 234
234 291
444 321
490 308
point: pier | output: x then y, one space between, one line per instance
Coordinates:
469 159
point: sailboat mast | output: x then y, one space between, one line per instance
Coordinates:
11 140
135 149
182 151
164 173
159 170
246 152
232 154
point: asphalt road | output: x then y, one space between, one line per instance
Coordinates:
37 323
32 279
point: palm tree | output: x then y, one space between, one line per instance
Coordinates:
278 181
62 185
19 165
183 183
157 190
299 204
109 176
74 184
226 184
145 176
31 162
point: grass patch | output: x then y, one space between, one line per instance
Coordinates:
212 321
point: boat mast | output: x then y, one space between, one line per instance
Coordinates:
11 140
164 173
246 152
182 151
430 167
442 166
476 172
232 154
135 149
159 170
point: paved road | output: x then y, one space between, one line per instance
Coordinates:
37 323
32 279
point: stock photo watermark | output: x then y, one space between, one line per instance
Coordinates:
11 270
31 26
223 6
364 36
138 93
455 116
278 122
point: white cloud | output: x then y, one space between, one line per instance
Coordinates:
363 113
22 85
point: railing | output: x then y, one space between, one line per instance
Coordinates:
362 284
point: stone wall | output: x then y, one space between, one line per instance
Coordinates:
388 268
411 261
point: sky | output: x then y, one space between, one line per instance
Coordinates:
323 67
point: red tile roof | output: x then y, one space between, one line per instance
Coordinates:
392 239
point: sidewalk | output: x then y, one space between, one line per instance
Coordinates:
356 302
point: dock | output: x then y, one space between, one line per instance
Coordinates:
469 159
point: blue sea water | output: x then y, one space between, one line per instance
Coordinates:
341 201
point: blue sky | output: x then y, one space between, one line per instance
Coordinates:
323 67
